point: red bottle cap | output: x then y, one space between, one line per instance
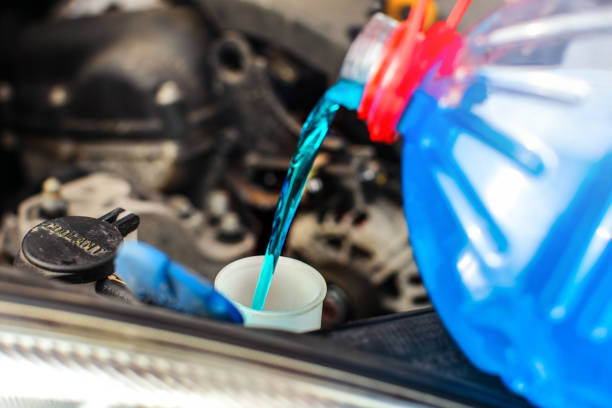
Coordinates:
406 57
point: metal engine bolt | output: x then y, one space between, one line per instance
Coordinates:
58 96
314 185
230 228
217 203
168 93
335 306
52 204
230 223
51 187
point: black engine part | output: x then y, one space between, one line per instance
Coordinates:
133 75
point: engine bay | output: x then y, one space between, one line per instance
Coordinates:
173 114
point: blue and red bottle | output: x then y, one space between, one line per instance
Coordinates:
507 182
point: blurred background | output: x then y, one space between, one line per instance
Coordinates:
187 113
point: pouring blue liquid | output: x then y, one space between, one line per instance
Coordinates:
343 93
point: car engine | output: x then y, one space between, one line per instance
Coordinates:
185 115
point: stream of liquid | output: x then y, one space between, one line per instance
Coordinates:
343 93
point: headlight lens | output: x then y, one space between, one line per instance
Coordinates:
125 365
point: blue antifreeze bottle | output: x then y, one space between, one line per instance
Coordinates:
507 182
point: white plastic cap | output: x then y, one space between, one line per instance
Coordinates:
365 53
294 302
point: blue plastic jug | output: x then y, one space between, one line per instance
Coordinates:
507 183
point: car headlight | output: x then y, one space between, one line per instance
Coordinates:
58 358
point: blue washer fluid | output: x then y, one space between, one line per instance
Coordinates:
507 188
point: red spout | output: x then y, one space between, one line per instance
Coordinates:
408 54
